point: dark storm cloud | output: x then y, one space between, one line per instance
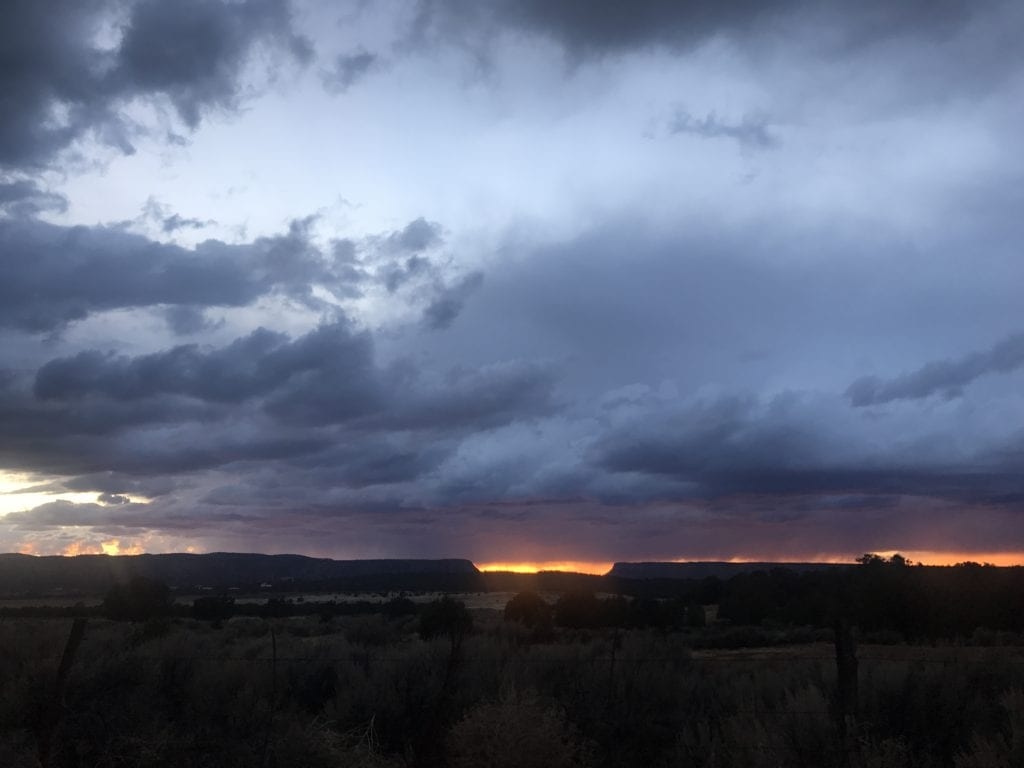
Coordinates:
360 463
58 513
251 366
446 306
306 419
748 132
741 447
319 400
946 378
52 275
348 70
598 27
188 321
607 26
50 63
326 376
152 437
723 447
719 310
25 198
928 50
193 51
115 517
476 398
59 83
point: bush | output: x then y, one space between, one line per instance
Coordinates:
445 618
516 732
213 608
529 609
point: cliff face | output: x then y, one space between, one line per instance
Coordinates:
701 570
25 574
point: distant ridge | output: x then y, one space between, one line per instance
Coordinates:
32 575
703 569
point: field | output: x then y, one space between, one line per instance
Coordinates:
374 690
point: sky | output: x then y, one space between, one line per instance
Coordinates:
522 281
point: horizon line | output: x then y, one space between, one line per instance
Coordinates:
604 567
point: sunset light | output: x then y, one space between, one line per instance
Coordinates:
557 565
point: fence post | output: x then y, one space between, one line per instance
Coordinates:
846 668
273 696
51 719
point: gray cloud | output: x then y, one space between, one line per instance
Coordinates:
174 222
193 51
170 223
60 84
330 364
596 28
943 377
748 132
53 275
442 311
935 49
318 402
188 321
22 197
742 447
349 69
418 235
476 398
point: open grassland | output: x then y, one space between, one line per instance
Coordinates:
371 691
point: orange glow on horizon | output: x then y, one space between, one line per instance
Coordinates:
76 548
928 557
115 547
575 566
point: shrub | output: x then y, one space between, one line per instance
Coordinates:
445 618
516 732
529 609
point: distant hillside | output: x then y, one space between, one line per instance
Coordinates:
91 574
701 570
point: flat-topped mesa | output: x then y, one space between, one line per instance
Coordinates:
702 570
24 574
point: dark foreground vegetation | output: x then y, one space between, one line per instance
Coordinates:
885 664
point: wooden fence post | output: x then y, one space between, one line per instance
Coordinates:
52 717
846 668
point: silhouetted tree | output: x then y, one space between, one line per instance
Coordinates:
445 617
213 608
529 609
578 610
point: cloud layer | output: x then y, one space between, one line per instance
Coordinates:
512 280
